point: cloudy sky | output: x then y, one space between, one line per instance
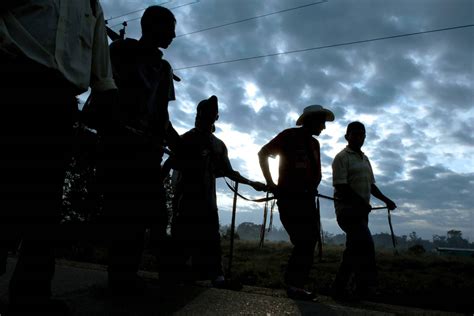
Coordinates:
414 94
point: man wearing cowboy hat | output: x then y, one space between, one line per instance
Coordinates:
299 177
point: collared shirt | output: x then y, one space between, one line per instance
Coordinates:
65 35
352 168
300 162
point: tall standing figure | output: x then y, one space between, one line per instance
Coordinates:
199 160
354 183
299 177
50 51
130 171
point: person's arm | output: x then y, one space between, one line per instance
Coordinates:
104 94
101 67
263 156
236 176
374 190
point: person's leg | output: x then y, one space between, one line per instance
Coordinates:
212 251
300 219
349 255
366 276
181 247
36 130
358 260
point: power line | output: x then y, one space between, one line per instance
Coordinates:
135 11
134 19
252 18
326 46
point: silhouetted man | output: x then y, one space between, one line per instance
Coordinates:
299 177
50 51
130 171
200 159
354 183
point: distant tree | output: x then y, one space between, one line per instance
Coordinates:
81 201
277 234
169 196
226 233
414 239
249 231
339 239
417 250
383 240
81 197
439 241
223 229
454 239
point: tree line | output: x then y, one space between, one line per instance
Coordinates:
452 239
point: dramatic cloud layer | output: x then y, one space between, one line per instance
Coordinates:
415 94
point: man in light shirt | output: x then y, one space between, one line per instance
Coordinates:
50 51
354 183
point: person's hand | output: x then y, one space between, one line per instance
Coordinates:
273 188
258 186
390 205
367 208
101 110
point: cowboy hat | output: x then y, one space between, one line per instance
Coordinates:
313 110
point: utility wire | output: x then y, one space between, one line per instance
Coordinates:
135 11
326 46
252 18
130 20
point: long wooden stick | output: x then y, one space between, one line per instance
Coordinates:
232 230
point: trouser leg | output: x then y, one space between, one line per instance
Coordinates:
35 135
358 258
208 255
300 219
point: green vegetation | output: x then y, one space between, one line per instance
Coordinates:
421 280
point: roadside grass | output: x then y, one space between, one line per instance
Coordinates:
424 280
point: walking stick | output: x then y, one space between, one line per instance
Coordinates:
232 230
394 241
264 225
320 237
